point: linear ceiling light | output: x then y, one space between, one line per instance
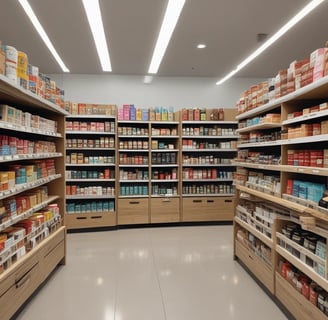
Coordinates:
292 22
37 25
170 20
92 10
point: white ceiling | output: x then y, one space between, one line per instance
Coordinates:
228 27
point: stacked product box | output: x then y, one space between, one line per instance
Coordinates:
88 207
310 191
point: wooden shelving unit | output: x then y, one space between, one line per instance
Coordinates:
91 170
297 208
26 263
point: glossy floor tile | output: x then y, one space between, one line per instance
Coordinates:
171 273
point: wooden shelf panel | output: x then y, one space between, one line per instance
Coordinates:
208 165
71 132
295 302
260 144
187 195
90 180
18 157
19 128
270 167
88 196
208 150
90 220
90 165
310 116
133 136
315 90
311 139
255 232
260 126
91 116
10 92
209 122
210 137
100 149
303 267
288 204
260 269
27 213
28 186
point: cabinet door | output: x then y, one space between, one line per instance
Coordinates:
164 210
133 211
207 209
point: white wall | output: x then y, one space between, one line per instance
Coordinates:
182 92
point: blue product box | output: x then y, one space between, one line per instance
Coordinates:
145 115
88 207
94 206
296 187
133 112
111 206
99 206
303 190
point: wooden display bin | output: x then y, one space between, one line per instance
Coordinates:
165 209
25 276
207 209
295 302
90 220
133 211
258 267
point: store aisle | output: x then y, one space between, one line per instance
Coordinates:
174 273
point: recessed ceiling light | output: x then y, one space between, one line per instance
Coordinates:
292 22
201 46
92 10
170 20
37 25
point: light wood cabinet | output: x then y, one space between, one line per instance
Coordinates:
289 154
133 211
164 209
207 208
27 261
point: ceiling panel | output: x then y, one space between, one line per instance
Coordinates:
228 27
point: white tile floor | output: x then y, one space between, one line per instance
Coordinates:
172 273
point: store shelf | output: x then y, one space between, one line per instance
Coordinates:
207 180
133 165
93 149
164 165
314 90
133 150
260 144
302 140
261 126
23 129
27 213
255 232
28 186
255 265
94 133
164 150
88 196
91 116
209 150
90 165
208 165
164 137
213 122
10 92
90 180
32 156
258 166
310 116
295 302
187 195
210 137
134 181
90 220
288 204
300 265
133 136
133 122
164 180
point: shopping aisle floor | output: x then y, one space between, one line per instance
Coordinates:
173 273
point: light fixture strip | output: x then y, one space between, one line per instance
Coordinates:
92 10
172 14
292 22
37 25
